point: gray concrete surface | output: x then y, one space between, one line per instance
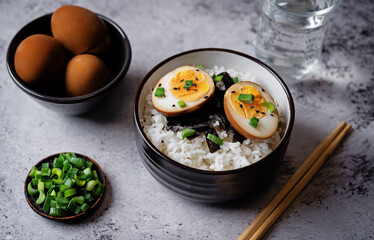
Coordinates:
337 204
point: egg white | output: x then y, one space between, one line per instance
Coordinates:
164 105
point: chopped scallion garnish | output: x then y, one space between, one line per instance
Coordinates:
181 103
235 80
200 67
187 84
159 92
254 121
188 132
215 139
62 190
246 98
269 105
217 78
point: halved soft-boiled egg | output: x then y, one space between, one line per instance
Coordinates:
183 90
251 110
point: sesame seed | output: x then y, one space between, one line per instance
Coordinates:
251 107
159 85
262 89
188 89
197 70
194 90
262 112
197 79
173 105
257 111
164 95
175 88
206 97
232 91
241 105
271 115
162 141
182 80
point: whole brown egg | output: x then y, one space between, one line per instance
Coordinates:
80 30
85 73
40 60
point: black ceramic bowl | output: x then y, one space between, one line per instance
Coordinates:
39 208
118 60
209 186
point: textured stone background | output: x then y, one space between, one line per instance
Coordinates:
337 204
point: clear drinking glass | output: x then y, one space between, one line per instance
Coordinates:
290 34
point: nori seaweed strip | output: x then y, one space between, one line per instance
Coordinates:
238 137
227 80
212 145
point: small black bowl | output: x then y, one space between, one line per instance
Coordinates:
118 60
39 208
213 186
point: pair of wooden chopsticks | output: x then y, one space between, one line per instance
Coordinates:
293 187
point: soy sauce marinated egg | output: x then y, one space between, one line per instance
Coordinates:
183 90
251 110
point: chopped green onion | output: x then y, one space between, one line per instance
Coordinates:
69 156
187 84
58 181
69 183
48 184
269 105
46 172
67 166
215 139
88 197
90 185
98 189
41 186
85 207
87 172
181 103
78 199
72 172
34 171
57 172
74 207
53 203
94 174
64 188
217 78
41 198
56 212
32 191
235 79
78 162
58 162
70 192
35 182
246 98
200 66
79 182
159 92
47 202
254 121
188 132
89 164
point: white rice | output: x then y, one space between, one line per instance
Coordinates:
195 153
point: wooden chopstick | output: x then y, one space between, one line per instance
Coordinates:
317 154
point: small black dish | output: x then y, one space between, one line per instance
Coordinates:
39 208
214 186
118 60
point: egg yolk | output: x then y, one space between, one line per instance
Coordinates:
245 110
199 87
